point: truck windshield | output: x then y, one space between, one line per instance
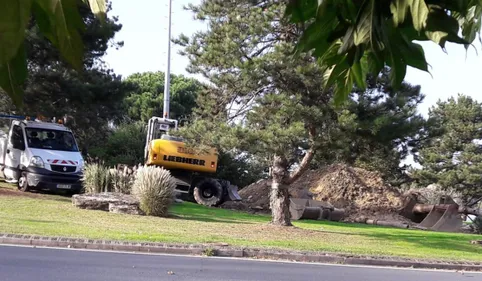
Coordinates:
51 139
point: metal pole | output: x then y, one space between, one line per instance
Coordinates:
167 77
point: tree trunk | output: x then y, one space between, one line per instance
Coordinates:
280 197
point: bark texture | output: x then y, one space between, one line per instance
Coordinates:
280 197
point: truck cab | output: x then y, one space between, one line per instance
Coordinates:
41 155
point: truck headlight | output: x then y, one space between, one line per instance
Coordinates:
81 165
36 161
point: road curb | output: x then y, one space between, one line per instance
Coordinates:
224 250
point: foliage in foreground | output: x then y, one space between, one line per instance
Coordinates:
54 89
154 187
355 38
58 20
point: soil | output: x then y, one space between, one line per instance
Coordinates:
12 192
362 194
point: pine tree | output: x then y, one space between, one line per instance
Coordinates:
378 128
262 101
451 153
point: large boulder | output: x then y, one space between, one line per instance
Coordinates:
109 202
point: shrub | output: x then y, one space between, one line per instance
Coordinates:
121 180
96 178
154 187
124 145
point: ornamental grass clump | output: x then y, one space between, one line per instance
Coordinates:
154 187
96 178
122 180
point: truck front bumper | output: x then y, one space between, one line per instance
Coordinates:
38 178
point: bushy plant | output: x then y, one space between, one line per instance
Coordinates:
96 178
121 180
154 187
124 145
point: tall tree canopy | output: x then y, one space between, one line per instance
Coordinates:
377 128
354 38
451 153
284 110
146 100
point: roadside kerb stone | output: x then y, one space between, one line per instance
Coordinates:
224 250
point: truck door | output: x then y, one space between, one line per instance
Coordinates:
15 147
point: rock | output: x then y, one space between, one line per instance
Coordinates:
259 208
108 201
125 209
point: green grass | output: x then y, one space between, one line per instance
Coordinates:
55 216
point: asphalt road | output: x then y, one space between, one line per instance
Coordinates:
41 264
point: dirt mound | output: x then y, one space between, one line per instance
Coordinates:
360 192
354 188
256 195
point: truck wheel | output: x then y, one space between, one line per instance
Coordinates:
22 182
208 192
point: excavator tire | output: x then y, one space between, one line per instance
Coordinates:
208 192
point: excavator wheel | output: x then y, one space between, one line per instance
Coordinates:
208 192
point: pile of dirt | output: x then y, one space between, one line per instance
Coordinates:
362 193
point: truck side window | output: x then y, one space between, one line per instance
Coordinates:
17 138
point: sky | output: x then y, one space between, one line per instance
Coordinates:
144 33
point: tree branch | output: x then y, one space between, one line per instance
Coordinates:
305 162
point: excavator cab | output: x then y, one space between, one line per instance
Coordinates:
159 128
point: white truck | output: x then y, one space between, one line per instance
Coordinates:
40 155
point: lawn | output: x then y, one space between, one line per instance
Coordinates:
53 215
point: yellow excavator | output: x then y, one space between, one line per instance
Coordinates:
192 171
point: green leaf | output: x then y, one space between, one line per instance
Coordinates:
98 7
375 62
412 53
14 17
335 72
398 68
65 25
315 36
399 10
343 88
359 72
442 28
348 40
13 74
414 56
419 10
348 10
299 11
43 21
364 25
